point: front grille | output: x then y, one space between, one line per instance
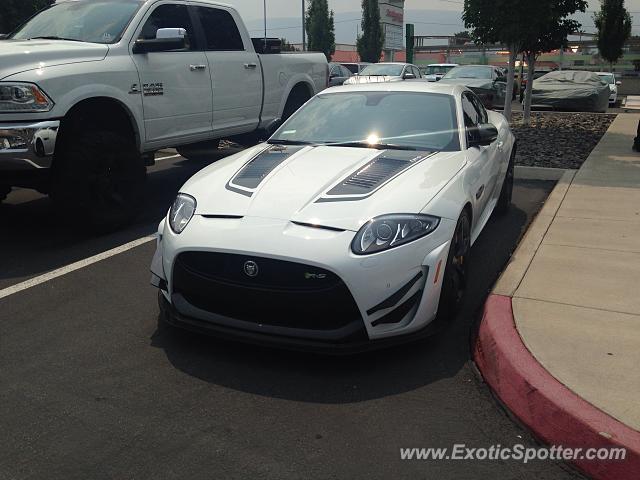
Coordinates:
281 294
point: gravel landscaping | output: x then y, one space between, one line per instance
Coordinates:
558 140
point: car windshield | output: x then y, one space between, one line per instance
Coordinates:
469 72
375 119
95 21
383 69
608 78
433 69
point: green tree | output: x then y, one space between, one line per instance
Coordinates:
320 28
525 26
613 23
371 41
14 12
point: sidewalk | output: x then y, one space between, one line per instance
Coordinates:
560 340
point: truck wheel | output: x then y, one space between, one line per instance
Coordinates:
98 178
198 151
297 98
4 191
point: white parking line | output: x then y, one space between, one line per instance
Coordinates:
32 282
160 159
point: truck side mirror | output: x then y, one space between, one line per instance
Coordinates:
167 39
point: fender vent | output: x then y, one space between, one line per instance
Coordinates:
370 177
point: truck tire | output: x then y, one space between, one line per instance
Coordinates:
98 178
198 151
4 191
297 98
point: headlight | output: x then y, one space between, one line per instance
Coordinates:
390 231
181 212
23 97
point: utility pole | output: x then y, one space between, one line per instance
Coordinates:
265 25
304 28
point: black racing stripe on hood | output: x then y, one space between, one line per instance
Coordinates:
257 169
376 173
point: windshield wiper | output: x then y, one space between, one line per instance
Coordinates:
378 146
53 37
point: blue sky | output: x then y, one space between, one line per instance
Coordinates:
436 17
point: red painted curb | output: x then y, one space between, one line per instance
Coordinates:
555 414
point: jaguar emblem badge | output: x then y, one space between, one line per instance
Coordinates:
251 268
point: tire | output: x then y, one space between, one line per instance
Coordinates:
506 194
4 192
98 178
454 281
198 151
297 98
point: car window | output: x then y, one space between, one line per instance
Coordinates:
417 72
483 116
169 16
471 115
383 69
220 30
345 72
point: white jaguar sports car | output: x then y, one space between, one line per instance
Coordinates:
350 228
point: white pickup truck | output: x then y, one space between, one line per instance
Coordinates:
89 89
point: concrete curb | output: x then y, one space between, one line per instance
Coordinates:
553 413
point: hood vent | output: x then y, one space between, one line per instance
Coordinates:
254 172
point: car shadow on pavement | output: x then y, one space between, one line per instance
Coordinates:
337 380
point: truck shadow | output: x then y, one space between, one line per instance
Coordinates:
34 240
330 380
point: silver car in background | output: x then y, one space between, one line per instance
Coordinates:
386 72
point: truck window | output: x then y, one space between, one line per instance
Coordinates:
220 30
169 16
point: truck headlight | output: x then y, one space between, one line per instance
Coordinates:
181 212
390 231
23 97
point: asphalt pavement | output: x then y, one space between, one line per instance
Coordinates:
93 387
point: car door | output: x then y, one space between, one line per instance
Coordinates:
175 85
494 151
481 159
236 74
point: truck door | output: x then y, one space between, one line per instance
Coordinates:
236 74
175 85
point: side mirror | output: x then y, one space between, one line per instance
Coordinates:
409 76
618 83
483 135
167 39
501 79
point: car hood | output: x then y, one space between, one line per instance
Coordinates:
469 82
335 187
18 56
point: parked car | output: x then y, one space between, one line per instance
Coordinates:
486 81
525 76
338 74
435 71
356 68
572 91
386 72
351 228
113 81
610 79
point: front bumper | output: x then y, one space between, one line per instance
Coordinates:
27 146
390 295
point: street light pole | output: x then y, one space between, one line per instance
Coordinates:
304 29
265 25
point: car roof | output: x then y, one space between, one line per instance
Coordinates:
443 65
418 86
